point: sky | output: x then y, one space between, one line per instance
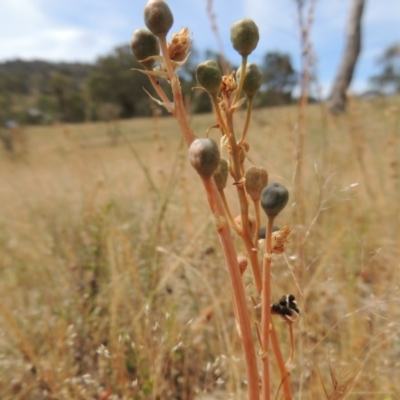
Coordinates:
82 30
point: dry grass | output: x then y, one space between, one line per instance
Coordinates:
113 284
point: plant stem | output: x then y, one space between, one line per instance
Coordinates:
248 119
266 311
267 329
220 119
218 212
179 112
258 221
224 233
244 205
156 85
283 372
228 213
241 82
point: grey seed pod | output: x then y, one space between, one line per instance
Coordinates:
204 156
252 79
158 17
263 231
274 198
221 174
244 36
209 76
256 178
143 45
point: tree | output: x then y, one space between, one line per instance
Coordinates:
388 81
338 97
279 79
69 98
112 81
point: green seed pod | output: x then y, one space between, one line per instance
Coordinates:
158 17
209 76
221 174
274 198
256 178
204 156
144 44
252 79
244 36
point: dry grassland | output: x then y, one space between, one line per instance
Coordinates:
113 285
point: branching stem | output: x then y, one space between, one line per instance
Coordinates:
218 212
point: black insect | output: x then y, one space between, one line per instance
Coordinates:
286 307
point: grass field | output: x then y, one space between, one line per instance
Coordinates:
113 285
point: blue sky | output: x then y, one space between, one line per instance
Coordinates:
81 30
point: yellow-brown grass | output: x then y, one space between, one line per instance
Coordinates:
113 284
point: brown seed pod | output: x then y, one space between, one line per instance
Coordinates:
244 36
256 178
143 45
221 174
204 156
158 17
252 224
243 262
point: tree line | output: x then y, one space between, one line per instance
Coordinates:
44 92
39 91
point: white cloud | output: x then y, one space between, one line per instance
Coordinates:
83 29
30 31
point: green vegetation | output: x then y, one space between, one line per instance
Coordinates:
109 89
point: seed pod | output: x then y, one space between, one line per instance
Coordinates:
143 45
243 262
158 17
251 224
221 174
244 36
274 198
209 76
252 79
204 156
263 231
256 178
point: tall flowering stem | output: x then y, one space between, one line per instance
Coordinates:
205 156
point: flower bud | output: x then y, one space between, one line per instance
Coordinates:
256 178
274 198
143 45
209 76
244 36
221 174
204 156
158 17
252 79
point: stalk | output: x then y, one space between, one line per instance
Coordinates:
220 219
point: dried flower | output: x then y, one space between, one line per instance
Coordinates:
178 48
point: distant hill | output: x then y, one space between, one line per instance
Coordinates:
32 77
42 92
